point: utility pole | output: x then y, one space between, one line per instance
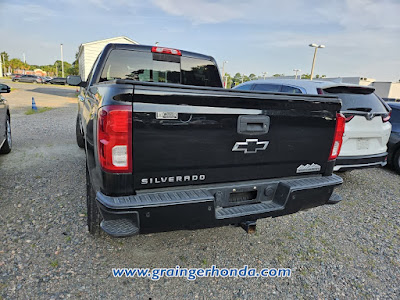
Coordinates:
223 72
296 70
4 64
62 61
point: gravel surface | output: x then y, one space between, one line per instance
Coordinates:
349 250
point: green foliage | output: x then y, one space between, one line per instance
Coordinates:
40 110
253 76
278 75
4 55
51 70
308 76
54 263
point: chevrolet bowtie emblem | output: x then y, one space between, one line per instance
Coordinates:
250 146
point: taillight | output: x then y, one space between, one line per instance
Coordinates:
348 117
386 118
114 138
166 50
320 91
338 137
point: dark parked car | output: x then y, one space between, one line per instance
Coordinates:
5 125
46 79
394 140
28 78
58 80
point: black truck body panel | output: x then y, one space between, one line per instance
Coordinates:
237 143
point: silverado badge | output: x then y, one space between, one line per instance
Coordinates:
308 168
250 146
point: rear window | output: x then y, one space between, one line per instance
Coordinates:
358 99
267 87
290 90
245 87
154 67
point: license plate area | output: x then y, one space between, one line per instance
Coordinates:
362 144
244 195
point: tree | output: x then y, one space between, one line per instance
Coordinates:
308 76
278 75
237 79
4 55
16 63
252 76
67 67
4 59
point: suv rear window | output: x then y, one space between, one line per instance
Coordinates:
358 99
153 67
244 87
267 87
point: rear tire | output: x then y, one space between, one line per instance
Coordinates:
80 140
93 212
6 148
396 161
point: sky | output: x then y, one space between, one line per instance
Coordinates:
362 37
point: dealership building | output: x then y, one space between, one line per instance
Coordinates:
88 52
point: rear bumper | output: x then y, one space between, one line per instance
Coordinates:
213 205
346 163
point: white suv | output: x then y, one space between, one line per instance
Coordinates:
367 128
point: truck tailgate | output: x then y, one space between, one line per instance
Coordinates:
189 136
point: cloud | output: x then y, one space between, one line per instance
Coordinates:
29 12
202 11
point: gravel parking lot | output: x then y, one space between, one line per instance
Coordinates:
349 250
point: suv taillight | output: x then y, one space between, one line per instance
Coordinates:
114 138
338 137
386 118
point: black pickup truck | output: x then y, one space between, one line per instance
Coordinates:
168 148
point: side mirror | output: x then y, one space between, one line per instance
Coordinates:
4 88
75 80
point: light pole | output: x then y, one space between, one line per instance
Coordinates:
4 64
296 70
264 74
223 72
315 54
62 61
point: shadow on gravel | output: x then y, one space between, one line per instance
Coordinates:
21 110
55 91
